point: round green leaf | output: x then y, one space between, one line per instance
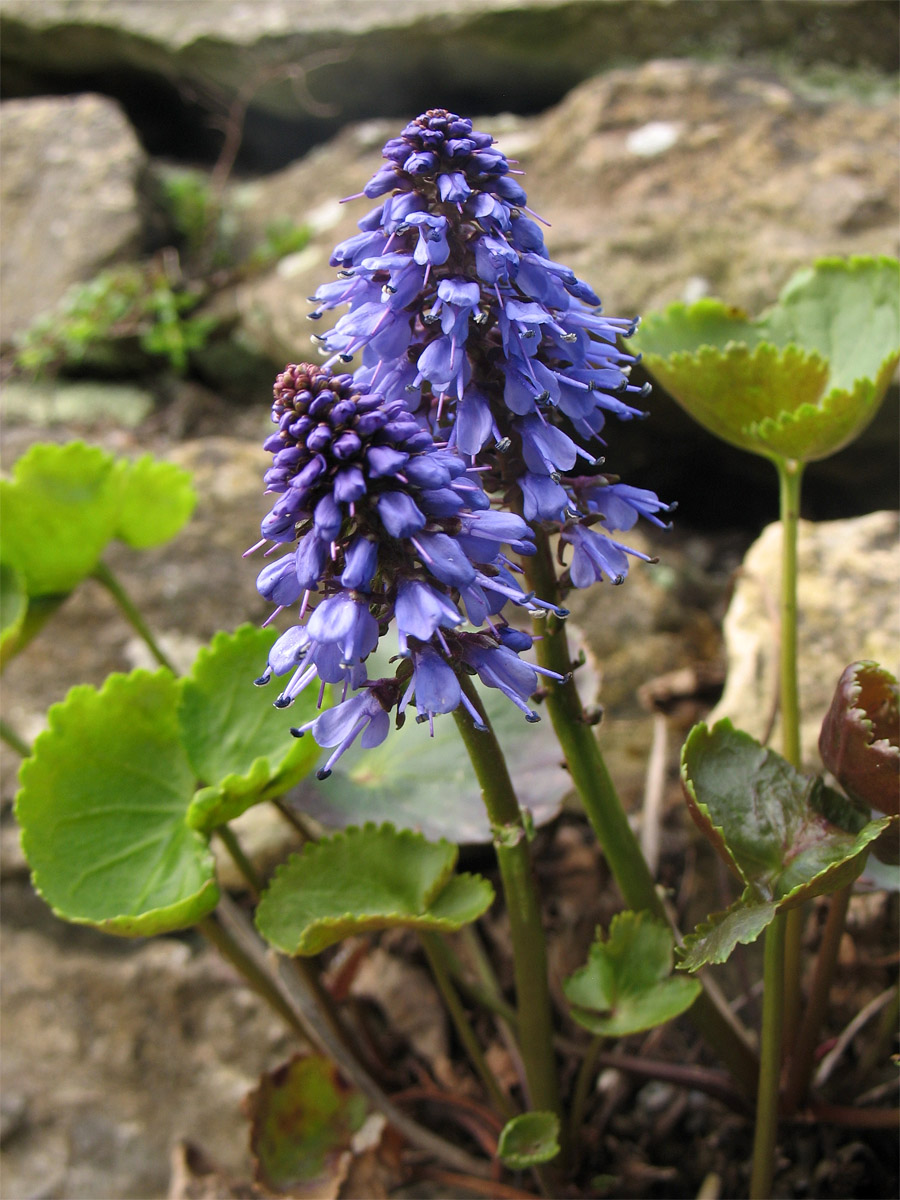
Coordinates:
239 745
302 1120
13 606
157 499
59 511
102 810
786 835
627 984
803 379
367 878
528 1140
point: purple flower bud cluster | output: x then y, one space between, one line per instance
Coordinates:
486 367
390 529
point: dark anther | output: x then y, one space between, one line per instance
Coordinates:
322 773
295 732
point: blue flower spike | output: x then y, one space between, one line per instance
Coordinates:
485 369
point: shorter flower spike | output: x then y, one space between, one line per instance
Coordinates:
391 530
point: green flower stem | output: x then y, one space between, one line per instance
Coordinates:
770 1063
781 975
433 946
104 576
12 739
522 902
604 810
251 970
790 474
804 1045
241 861
293 986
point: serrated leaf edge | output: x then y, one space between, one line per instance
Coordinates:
714 921
349 834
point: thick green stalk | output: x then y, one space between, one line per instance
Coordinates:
766 1130
104 576
607 816
781 977
522 902
790 475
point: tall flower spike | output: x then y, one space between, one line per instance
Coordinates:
460 314
390 529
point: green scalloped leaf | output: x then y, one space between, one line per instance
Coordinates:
13 606
786 834
714 939
59 512
157 499
627 984
367 878
803 379
302 1121
847 310
860 737
239 745
102 810
528 1140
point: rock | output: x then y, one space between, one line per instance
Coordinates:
759 178
70 199
117 1050
80 404
173 67
847 604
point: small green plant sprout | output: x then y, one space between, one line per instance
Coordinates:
627 985
128 317
62 507
528 1140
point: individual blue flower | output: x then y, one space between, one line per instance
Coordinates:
595 556
362 716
